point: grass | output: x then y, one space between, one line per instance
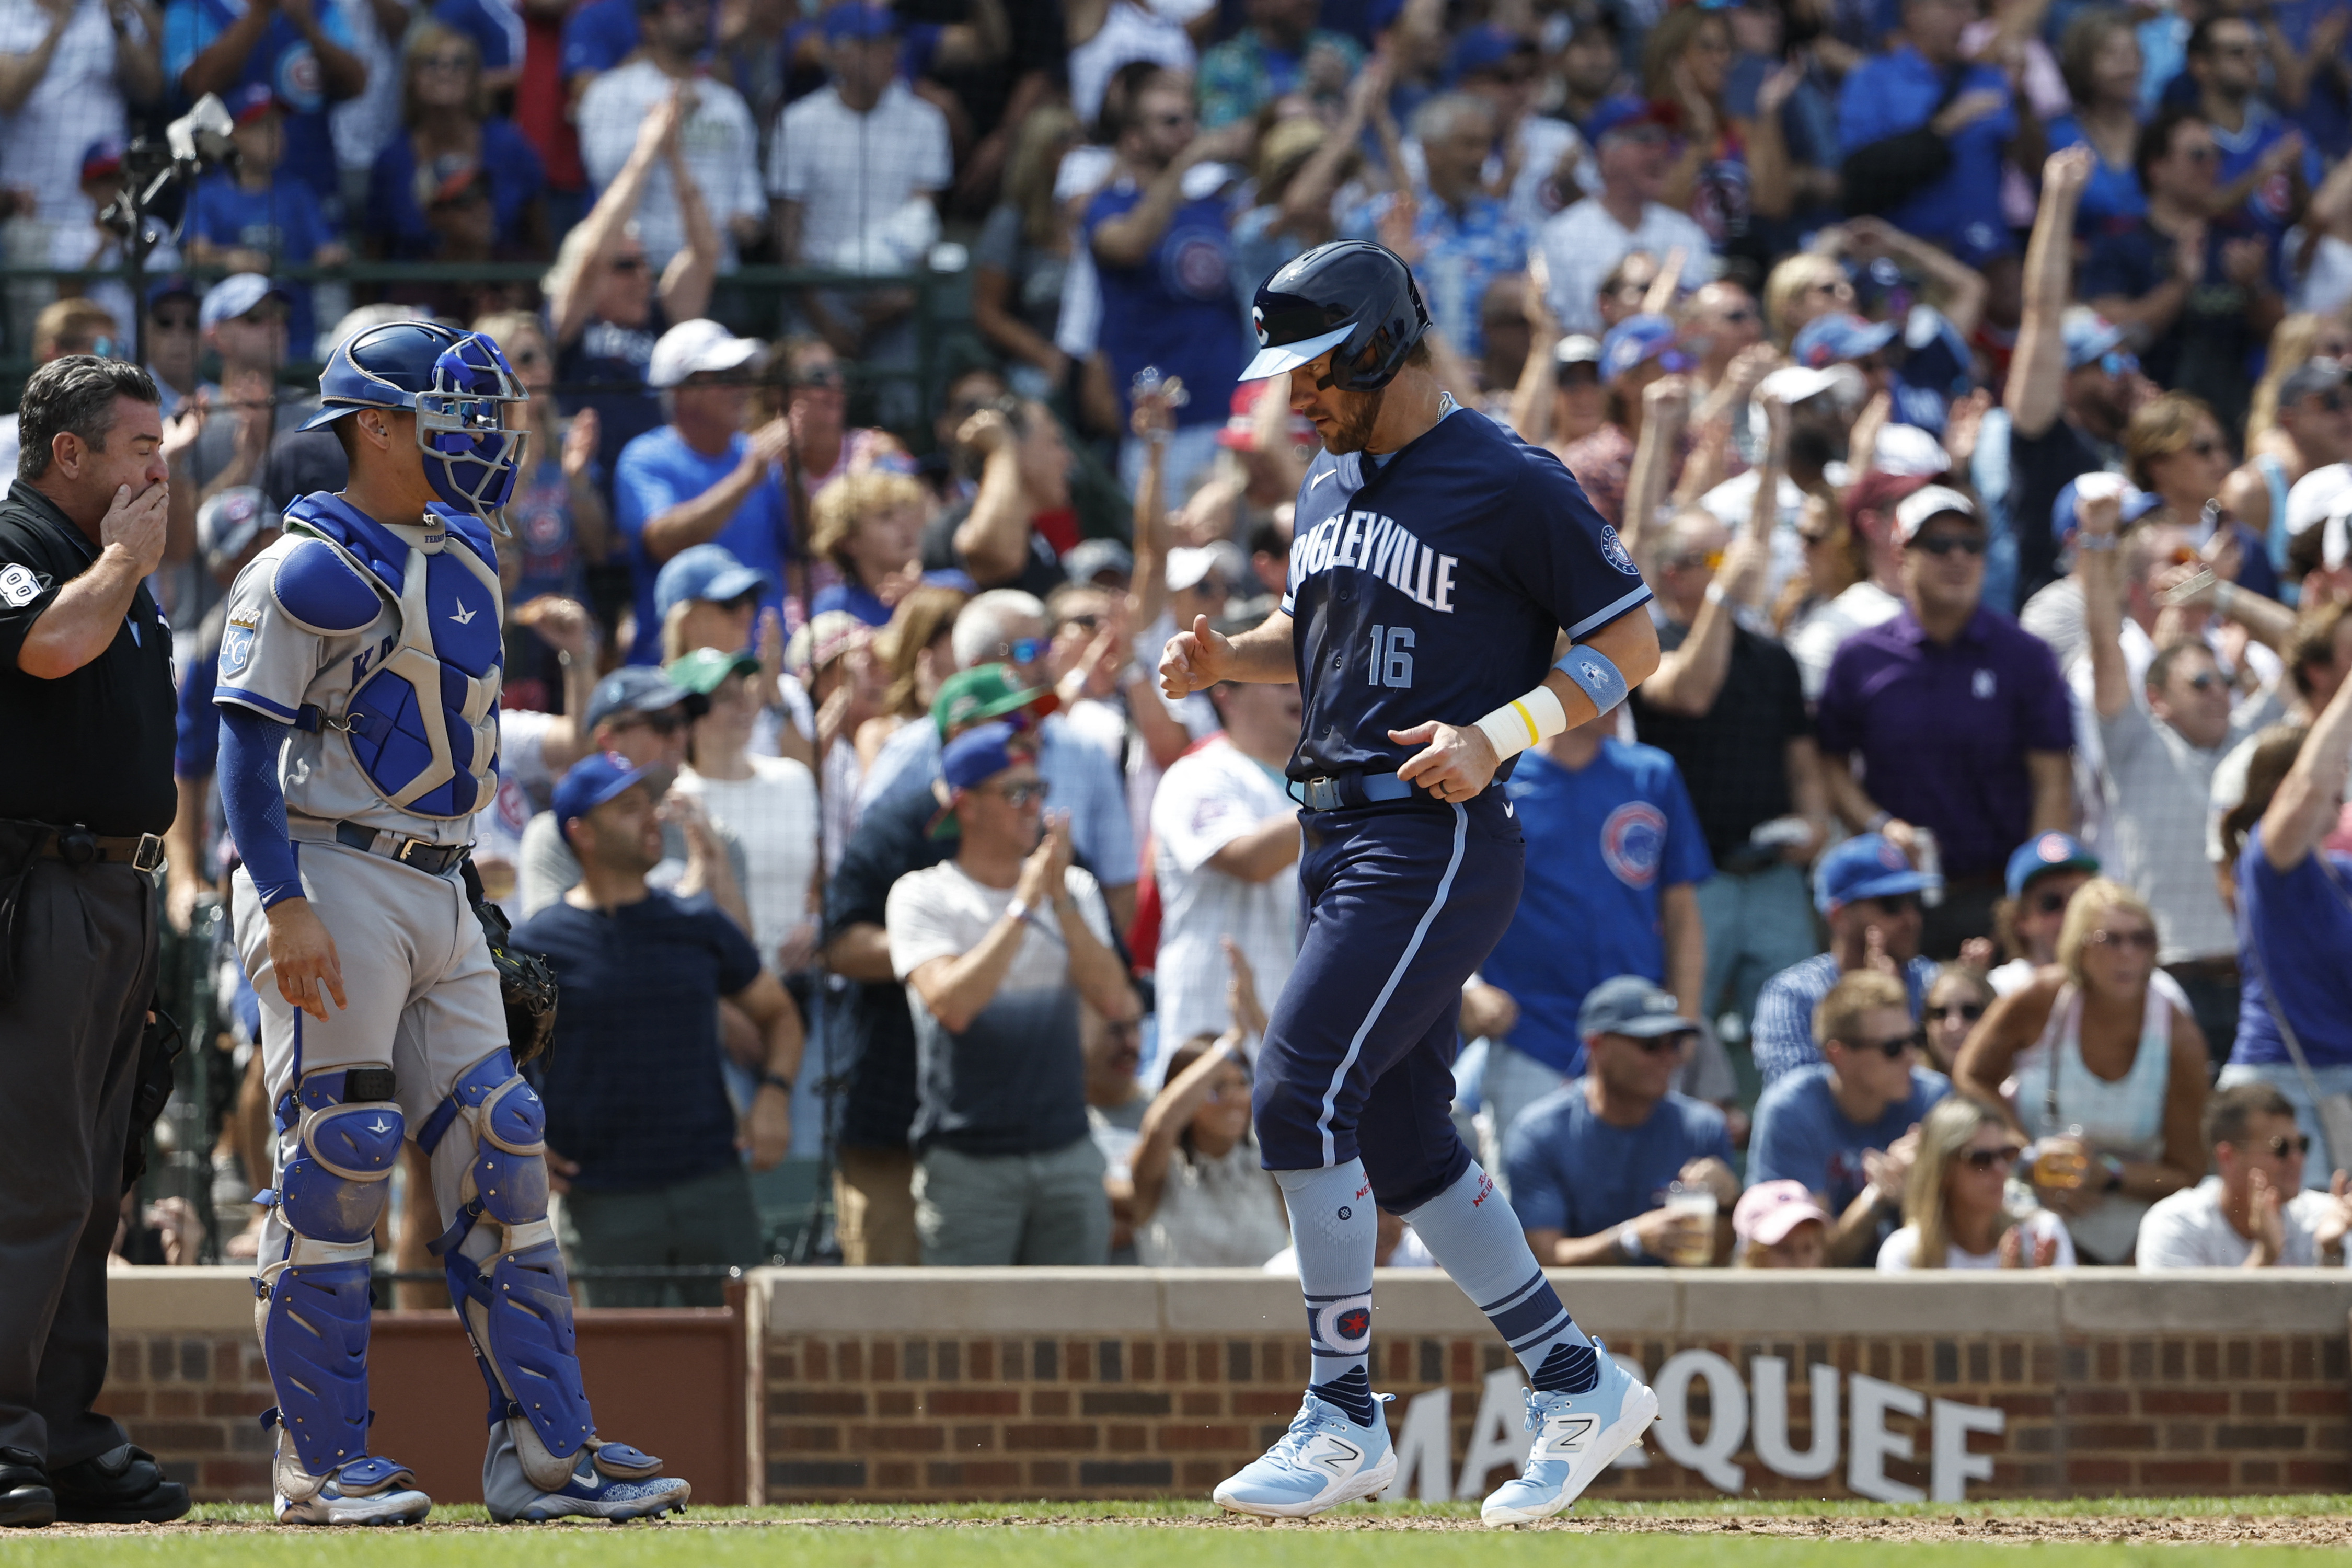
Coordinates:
1121 1535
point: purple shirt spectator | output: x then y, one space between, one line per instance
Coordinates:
1943 731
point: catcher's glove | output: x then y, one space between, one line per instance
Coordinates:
526 984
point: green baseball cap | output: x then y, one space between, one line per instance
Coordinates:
986 691
701 670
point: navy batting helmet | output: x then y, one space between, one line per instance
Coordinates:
457 383
1352 297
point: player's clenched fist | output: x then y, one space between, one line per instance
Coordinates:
1195 660
1452 764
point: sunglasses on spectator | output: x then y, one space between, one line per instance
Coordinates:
1084 623
2206 680
1739 318
1982 1160
444 63
1829 286
2050 903
174 322
1651 1046
1815 541
2203 446
1891 1047
1710 560
1967 1012
1893 904
2119 364
626 264
665 724
1569 376
2281 1147
1943 544
2143 938
1025 651
827 377
1170 122
523 356
2330 402
1017 796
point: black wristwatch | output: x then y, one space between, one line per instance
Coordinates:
779 1081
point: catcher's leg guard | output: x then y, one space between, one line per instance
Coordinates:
313 1316
506 1282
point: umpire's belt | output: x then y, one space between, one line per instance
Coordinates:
80 846
432 858
1343 790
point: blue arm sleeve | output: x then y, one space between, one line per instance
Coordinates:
255 804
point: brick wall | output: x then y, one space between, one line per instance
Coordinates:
191 1398
2119 1389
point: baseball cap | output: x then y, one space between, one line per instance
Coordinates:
2087 335
1635 341
1768 1210
250 102
693 347
233 296
1630 1005
2064 524
822 638
101 158
1912 513
1190 565
1626 112
2047 852
179 286
856 21
1836 338
985 691
1906 449
704 571
631 688
2311 377
1867 866
591 781
972 759
1793 383
700 672
1483 47
227 523
2319 492
1093 557
1575 349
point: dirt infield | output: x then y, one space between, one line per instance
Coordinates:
2208 1530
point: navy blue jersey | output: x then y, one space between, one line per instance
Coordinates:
1434 588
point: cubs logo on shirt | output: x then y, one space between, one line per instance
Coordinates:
1633 841
1612 550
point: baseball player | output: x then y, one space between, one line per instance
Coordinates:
359 694
1436 561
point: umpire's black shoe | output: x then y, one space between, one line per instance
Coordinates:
125 1485
25 1495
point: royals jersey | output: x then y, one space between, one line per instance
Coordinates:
379 646
1433 587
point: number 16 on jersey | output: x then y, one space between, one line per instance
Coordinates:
1393 658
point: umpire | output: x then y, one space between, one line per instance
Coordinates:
85 796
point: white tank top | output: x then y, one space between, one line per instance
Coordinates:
2123 1117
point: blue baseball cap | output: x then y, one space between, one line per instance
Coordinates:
2088 336
2047 852
1635 341
1834 338
705 572
970 760
631 688
1632 1006
859 21
1626 112
251 101
1483 47
1867 866
593 780
2063 525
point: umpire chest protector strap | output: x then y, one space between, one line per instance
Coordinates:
422 716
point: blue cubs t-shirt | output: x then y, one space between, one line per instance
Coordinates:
284 61
633 1087
284 222
1573 1173
658 471
1803 1136
1603 842
1174 311
2294 929
1432 585
1961 209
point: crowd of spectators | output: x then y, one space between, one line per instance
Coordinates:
1970 887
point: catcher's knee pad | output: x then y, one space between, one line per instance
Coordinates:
348 1135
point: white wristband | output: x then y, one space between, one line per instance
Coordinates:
1516 725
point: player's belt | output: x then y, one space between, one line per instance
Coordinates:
80 846
1339 791
432 858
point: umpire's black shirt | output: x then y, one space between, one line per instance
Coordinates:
94 747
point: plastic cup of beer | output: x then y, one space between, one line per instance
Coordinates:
2060 1164
1693 1245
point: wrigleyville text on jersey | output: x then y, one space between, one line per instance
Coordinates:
1376 544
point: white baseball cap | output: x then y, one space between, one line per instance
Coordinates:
1916 507
1906 449
693 347
1189 565
233 296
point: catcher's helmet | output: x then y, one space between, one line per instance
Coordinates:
1352 297
457 383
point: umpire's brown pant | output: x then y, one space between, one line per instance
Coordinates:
85 970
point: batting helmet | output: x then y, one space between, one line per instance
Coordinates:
1352 297
457 383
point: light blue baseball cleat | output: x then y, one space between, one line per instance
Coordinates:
1576 1435
1325 1459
